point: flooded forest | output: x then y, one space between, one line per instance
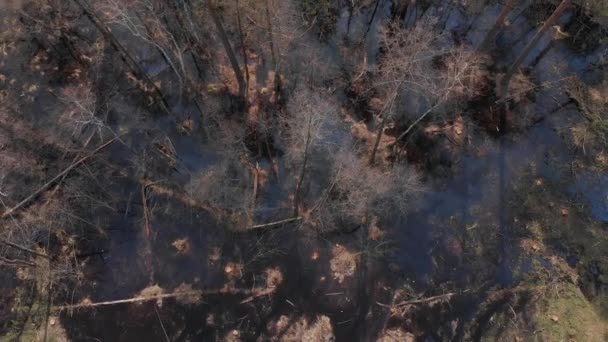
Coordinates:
304 170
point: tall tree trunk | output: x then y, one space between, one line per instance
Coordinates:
296 197
371 21
243 49
229 51
504 88
163 52
400 8
191 36
372 157
189 40
273 53
386 112
409 13
351 10
124 54
443 19
500 21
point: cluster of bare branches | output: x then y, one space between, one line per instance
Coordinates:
170 29
309 124
416 66
359 191
227 185
418 76
80 115
308 128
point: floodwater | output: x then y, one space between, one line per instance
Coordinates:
472 197
427 247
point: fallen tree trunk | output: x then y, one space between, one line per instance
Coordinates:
273 224
138 299
421 301
48 184
253 294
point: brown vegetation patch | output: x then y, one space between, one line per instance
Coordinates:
453 129
396 335
343 263
233 270
602 160
54 331
190 296
182 246
232 336
274 277
374 232
361 132
287 329
152 291
532 246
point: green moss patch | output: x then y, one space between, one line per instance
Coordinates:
566 315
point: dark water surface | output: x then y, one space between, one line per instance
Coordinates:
428 247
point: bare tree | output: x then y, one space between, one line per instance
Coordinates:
310 123
273 53
243 47
358 191
459 78
417 75
226 185
144 20
126 56
279 24
78 112
217 20
403 66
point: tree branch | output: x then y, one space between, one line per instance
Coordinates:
23 249
273 224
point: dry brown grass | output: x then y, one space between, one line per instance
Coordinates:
317 329
182 246
343 263
396 335
592 133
